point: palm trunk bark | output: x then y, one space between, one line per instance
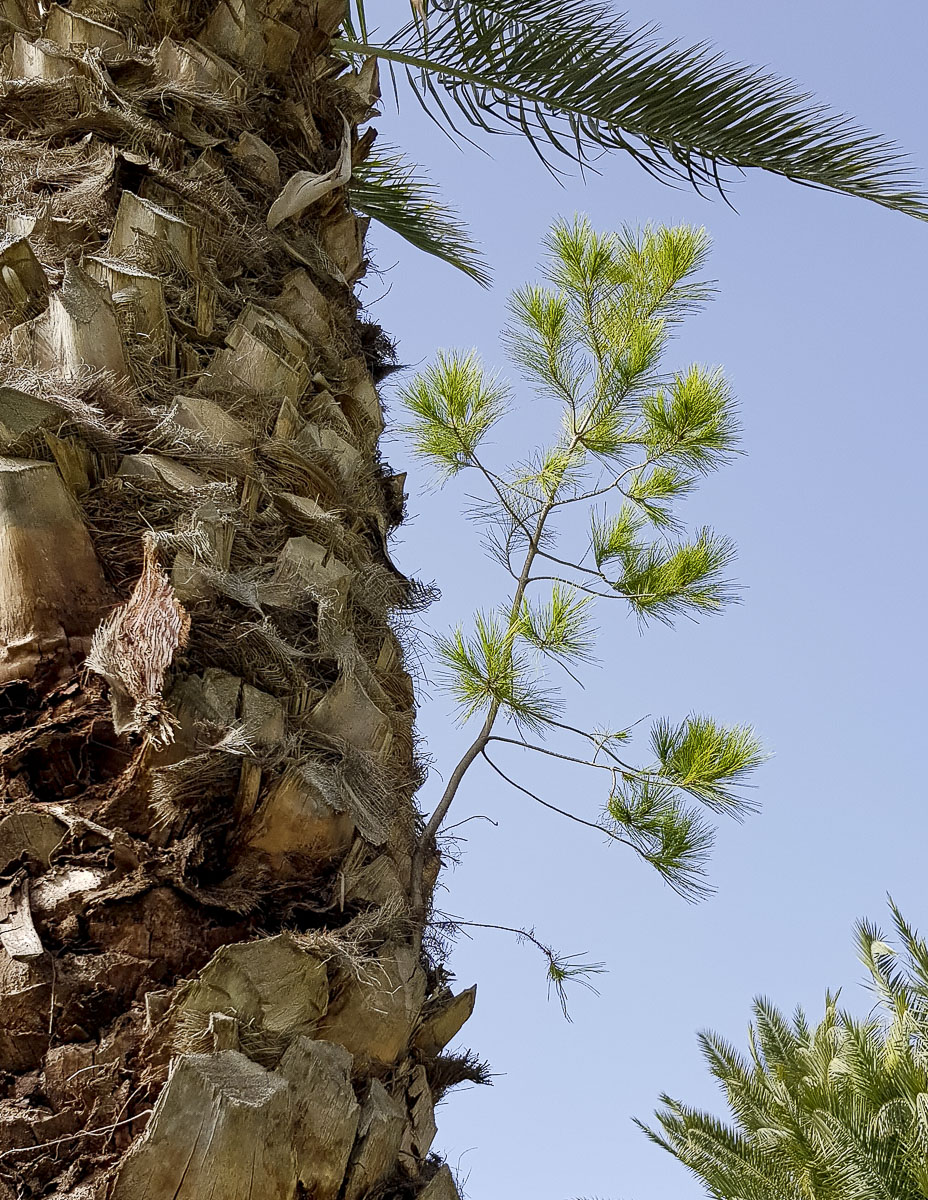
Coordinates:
210 983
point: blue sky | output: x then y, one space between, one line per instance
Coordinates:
819 324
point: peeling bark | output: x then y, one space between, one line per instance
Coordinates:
444 1019
78 331
52 591
380 1134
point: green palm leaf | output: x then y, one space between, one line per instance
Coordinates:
576 79
388 189
835 1112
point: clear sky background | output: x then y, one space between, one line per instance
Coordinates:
820 325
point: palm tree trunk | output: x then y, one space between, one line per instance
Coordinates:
210 983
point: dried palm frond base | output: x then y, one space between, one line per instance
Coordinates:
448 1071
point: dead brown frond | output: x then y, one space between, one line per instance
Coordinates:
122 510
199 783
447 1071
251 649
77 177
352 949
300 470
378 348
101 406
347 778
191 1034
134 647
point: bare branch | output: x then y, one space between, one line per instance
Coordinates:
553 807
580 587
581 762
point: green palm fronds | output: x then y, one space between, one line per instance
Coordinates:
838 1112
391 190
575 79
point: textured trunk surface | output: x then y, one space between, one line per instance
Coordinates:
210 981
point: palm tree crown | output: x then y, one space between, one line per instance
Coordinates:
835 1112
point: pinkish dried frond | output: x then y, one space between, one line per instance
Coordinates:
133 648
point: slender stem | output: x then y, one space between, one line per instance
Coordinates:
492 480
525 933
516 519
523 492
583 762
563 562
476 748
559 662
599 741
671 883
581 587
617 481
530 936
615 594
470 754
621 768
562 812
559 967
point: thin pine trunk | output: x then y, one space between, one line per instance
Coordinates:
210 982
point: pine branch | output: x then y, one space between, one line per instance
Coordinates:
579 343
563 969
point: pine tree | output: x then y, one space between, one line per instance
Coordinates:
590 517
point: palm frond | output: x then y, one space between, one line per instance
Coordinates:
389 189
575 78
834 1112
